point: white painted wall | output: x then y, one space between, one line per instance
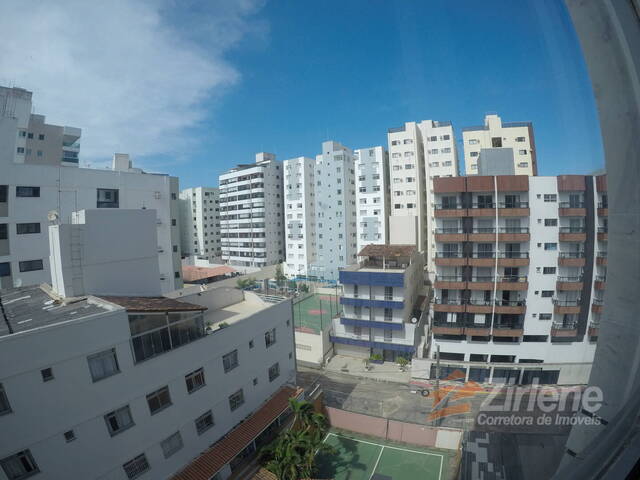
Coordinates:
372 196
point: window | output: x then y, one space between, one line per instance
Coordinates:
30 265
119 420
388 335
270 337
3 193
108 198
549 270
274 371
41 136
136 467
230 361
204 422
47 374
20 150
357 331
159 400
520 139
546 293
236 400
388 293
544 316
250 343
4 402
473 154
522 152
30 135
195 380
550 197
19 466
27 191
69 436
171 444
103 364
551 246
473 141
550 222
27 228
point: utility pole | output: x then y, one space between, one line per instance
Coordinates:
437 395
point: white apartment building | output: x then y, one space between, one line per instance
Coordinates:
252 214
372 196
135 386
200 223
517 136
382 302
521 269
407 183
300 216
440 160
335 210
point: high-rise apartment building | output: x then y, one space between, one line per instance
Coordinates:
252 213
335 210
200 223
300 217
372 196
41 183
521 270
516 136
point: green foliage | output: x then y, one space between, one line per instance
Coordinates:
280 276
243 283
304 288
402 361
223 325
376 356
292 455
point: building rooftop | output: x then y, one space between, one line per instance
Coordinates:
32 307
192 273
387 251
152 304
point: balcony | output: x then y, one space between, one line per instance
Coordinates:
483 235
482 210
511 307
450 282
513 209
571 259
566 306
482 329
601 258
600 282
366 323
481 283
603 209
441 327
572 234
480 306
603 234
598 305
482 259
347 340
594 328
513 259
450 259
450 235
507 329
448 305
569 283
371 303
448 211
571 209
512 283
564 329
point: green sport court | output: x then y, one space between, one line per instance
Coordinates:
315 311
357 458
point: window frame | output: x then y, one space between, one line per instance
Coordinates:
193 375
200 429
144 464
19 457
99 355
228 364
236 403
4 399
173 449
159 396
115 414
274 371
22 190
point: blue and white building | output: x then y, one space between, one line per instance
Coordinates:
382 304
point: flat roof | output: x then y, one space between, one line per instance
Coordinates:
192 273
152 304
30 308
387 251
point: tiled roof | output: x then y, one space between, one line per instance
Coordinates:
222 452
264 474
387 251
191 273
152 304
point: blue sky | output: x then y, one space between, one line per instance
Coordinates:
193 87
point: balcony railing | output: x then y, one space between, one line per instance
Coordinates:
598 301
483 255
571 254
601 278
567 303
448 230
513 255
514 204
483 205
572 230
514 230
513 279
440 206
508 326
448 254
449 278
498 302
603 204
484 230
601 254
445 323
603 229
571 204
483 279
570 279
565 325
449 301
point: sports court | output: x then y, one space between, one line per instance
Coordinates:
360 458
315 311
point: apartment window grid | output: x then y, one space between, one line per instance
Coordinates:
103 364
20 465
119 420
136 467
236 400
270 337
230 361
171 444
195 380
204 422
274 371
5 406
159 400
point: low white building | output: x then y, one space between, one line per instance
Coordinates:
372 196
252 214
200 223
382 301
127 387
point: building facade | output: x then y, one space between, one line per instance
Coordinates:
517 136
200 223
335 211
372 196
252 214
382 304
300 215
521 268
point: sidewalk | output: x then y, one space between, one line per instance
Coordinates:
385 372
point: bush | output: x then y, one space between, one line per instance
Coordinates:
376 356
402 361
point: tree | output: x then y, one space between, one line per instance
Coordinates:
244 283
281 278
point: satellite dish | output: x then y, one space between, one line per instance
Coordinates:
414 320
53 216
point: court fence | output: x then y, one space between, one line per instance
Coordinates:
396 431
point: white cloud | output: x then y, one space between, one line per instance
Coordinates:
134 75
